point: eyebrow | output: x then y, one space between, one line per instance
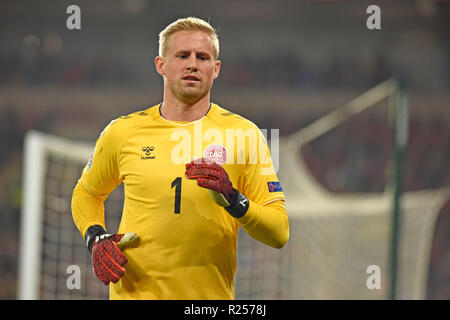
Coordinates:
189 52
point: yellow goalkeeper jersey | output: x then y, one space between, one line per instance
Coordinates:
187 243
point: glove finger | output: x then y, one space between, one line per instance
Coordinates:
189 165
192 163
111 264
100 272
106 273
101 269
112 250
208 183
117 237
127 239
200 172
216 186
199 161
103 275
219 198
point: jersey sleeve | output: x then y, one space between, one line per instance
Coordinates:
98 179
266 219
261 184
101 175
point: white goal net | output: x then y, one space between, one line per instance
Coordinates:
51 248
340 242
335 239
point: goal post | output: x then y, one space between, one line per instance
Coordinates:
400 131
31 228
37 148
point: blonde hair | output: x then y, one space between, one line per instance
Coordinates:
188 24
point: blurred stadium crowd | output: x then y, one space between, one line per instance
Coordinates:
282 71
341 160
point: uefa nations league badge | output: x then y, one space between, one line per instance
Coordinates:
216 153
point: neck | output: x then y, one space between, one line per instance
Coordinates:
176 110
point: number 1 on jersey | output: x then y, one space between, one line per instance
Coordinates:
177 184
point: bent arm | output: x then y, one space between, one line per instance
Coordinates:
98 179
87 208
268 224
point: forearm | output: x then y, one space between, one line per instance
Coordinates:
268 224
87 208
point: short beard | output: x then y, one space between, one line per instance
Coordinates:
188 98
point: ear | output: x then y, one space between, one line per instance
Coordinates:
159 64
216 69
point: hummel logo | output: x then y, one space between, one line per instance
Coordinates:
148 152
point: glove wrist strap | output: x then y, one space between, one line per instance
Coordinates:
91 233
239 205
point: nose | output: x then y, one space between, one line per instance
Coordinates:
192 63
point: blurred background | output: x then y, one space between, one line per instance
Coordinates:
284 64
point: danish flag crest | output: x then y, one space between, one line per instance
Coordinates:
216 153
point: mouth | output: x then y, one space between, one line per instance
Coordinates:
191 77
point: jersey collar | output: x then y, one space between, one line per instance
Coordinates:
183 123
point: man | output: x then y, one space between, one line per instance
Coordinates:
180 217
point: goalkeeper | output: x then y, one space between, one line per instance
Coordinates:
183 205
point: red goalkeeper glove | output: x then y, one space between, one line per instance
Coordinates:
213 177
108 261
